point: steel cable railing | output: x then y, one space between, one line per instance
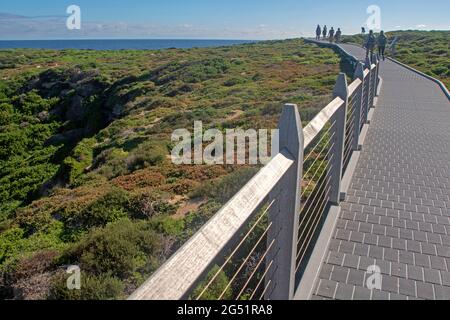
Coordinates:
233 289
372 91
245 251
350 128
312 231
309 212
364 104
316 179
312 179
348 148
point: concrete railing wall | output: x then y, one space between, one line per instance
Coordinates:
281 181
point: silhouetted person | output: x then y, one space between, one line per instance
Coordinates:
318 32
331 35
338 35
382 41
363 30
324 32
370 43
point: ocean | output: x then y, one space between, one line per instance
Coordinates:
117 44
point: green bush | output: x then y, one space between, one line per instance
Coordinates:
169 226
103 287
21 180
109 208
234 81
225 188
147 154
32 103
6 114
12 142
141 97
15 243
80 159
204 70
120 249
8 242
441 70
216 289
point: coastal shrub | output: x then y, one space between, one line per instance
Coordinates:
102 287
111 163
15 243
204 70
234 81
119 249
169 226
32 103
6 114
80 159
226 187
147 154
216 289
8 242
272 109
441 70
33 221
109 208
107 199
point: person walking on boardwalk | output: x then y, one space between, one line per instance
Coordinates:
370 43
382 41
318 32
338 35
331 35
324 32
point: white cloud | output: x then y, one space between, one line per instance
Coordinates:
421 26
20 27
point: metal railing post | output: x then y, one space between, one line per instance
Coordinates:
284 216
373 58
340 117
368 66
359 105
375 76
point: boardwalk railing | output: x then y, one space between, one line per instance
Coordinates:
258 245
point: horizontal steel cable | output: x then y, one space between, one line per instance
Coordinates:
265 289
236 249
324 183
301 248
245 261
326 171
263 276
317 171
322 208
318 143
256 268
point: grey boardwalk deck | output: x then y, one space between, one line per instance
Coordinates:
397 213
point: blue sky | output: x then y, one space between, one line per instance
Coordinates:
213 19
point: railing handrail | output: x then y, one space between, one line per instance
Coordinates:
186 268
354 86
317 124
199 253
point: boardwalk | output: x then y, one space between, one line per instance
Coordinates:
397 213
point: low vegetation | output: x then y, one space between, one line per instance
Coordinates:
85 177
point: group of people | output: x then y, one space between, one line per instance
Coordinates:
332 35
369 43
